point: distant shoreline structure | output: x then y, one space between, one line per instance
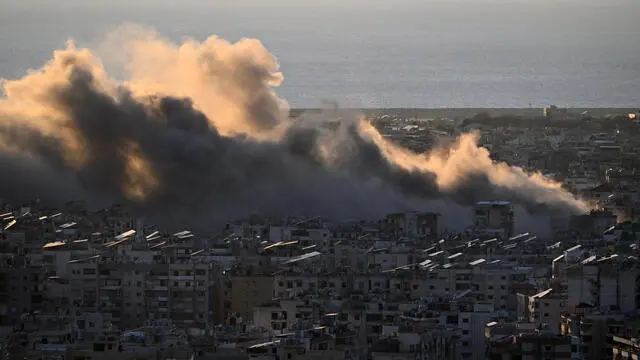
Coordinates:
463 112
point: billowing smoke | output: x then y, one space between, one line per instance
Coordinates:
197 134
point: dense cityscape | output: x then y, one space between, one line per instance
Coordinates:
84 284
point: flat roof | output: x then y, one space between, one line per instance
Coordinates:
542 293
573 248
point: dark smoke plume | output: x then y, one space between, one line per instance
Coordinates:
197 135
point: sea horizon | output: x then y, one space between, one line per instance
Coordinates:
495 55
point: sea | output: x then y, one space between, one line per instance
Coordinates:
373 54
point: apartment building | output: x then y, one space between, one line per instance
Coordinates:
545 310
610 283
625 348
494 217
400 346
411 225
510 342
246 291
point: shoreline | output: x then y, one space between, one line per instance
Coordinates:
463 112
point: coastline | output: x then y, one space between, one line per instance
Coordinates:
460 113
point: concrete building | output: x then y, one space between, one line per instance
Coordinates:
412 225
494 217
608 283
545 309
248 291
510 342
625 349
593 333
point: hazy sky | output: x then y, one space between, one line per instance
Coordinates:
378 52
51 4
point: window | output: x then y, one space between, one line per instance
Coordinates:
465 320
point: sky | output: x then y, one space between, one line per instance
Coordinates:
472 52
42 4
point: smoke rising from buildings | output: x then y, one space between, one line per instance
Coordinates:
197 134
